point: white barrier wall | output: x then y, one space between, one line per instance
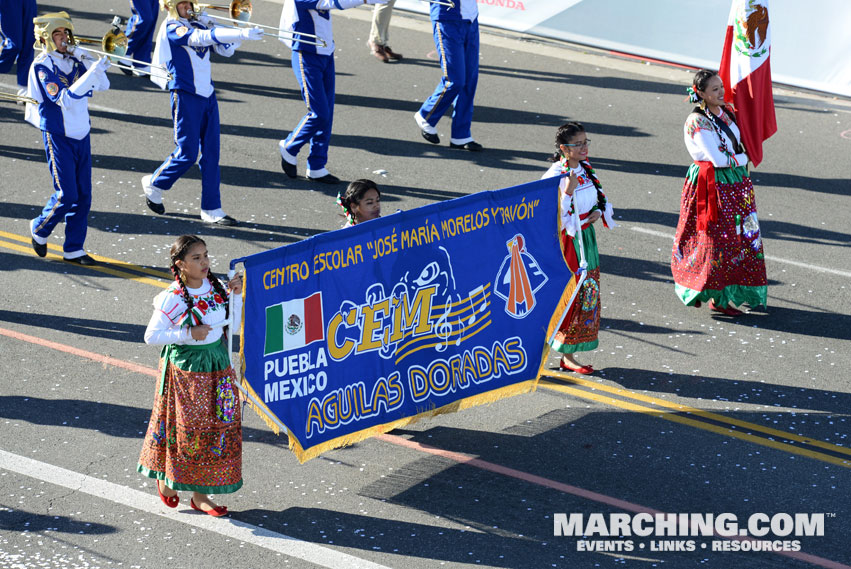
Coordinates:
810 41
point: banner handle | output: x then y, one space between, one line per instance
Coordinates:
238 382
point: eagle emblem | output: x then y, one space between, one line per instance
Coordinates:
752 30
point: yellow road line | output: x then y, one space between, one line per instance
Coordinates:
99 268
668 416
702 413
125 264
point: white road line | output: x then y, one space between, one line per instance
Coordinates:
767 257
146 502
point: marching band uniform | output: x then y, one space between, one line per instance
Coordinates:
314 70
16 19
140 30
183 47
61 83
456 36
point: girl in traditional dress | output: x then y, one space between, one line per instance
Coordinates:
582 203
194 438
717 254
360 202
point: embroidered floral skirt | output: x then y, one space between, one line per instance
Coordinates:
578 331
726 263
194 438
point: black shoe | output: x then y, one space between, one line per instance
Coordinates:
326 179
157 208
289 169
40 250
472 146
85 260
126 71
433 138
227 221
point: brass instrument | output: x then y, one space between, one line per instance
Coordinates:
448 3
114 47
240 13
15 98
239 10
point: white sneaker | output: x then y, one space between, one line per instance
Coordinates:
22 92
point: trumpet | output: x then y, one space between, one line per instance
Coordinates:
14 98
114 46
240 13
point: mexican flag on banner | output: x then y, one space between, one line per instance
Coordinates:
746 72
294 324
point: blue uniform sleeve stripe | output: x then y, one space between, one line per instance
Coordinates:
337 4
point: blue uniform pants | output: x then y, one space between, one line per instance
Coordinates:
70 164
457 43
16 23
315 76
140 29
196 129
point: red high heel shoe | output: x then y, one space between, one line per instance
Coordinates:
728 310
582 370
216 512
170 501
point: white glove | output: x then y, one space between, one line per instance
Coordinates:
254 33
90 80
231 35
206 20
103 64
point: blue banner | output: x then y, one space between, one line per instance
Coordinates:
355 332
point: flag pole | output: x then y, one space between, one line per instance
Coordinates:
238 382
583 272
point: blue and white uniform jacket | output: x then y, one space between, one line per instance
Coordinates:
183 47
463 10
311 17
58 110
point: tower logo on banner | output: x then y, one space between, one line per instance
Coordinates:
519 278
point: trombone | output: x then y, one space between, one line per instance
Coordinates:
14 98
114 46
240 13
448 3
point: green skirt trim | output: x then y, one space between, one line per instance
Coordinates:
229 489
732 175
589 241
573 348
737 295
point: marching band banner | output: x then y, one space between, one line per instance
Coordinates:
355 332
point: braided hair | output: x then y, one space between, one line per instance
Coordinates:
563 135
700 83
353 195
178 252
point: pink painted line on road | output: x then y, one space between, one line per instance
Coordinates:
579 492
78 352
458 457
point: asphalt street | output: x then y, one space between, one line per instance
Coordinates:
690 412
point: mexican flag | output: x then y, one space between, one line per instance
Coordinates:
746 72
294 324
